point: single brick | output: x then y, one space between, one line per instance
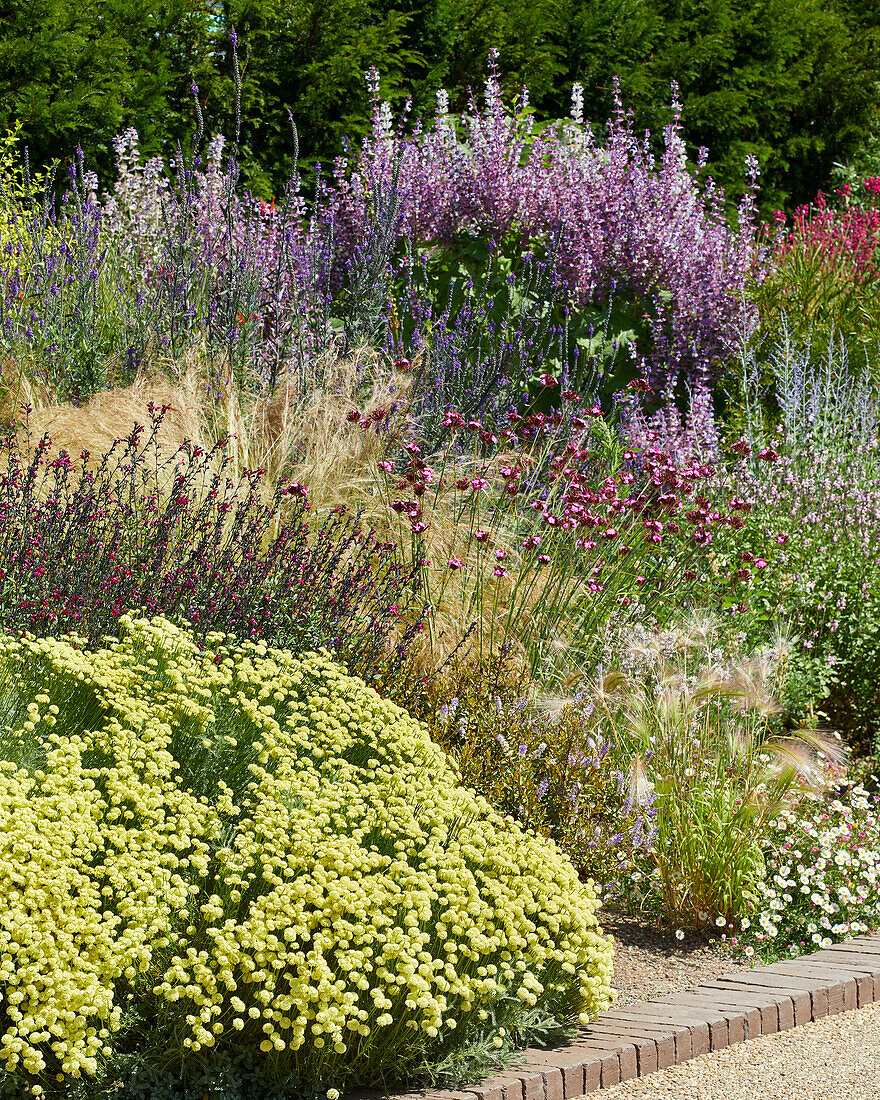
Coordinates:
592 1076
553 1086
533 1082
490 1089
868 990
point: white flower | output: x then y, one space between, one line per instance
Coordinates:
679 935
720 922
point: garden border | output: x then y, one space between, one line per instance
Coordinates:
638 1039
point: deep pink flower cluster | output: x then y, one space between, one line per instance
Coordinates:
646 519
80 548
845 240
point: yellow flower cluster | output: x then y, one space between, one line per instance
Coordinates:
267 852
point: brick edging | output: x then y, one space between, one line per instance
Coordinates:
641 1038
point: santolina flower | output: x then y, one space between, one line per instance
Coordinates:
198 919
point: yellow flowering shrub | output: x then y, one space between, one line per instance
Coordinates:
236 847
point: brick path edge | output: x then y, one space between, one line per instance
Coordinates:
639 1039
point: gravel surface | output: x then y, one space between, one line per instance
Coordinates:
836 1058
650 961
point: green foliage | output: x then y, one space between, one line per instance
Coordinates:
74 73
813 519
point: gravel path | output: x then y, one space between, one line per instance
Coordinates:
835 1058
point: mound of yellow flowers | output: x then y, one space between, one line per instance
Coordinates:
235 846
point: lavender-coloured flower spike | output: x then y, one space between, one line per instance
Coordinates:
617 215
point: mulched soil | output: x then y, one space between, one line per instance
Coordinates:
649 961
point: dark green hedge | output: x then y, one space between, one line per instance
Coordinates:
791 81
